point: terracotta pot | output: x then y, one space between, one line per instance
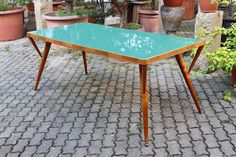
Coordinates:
173 3
171 18
11 25
30 7
233 74
206 6
189 6
53 21
55 5
150 20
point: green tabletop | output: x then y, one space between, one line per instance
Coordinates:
135 44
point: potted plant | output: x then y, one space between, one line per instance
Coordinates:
225 57
132 26
208 6
69 15
11 21
149 16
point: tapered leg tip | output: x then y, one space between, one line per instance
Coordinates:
146 145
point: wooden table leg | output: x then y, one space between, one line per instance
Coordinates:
144 97
43 61
199 50
85 62
185 73
35 46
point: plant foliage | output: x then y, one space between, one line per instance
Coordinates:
225 57
227 96
132 26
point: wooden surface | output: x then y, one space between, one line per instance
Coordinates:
35 46
188 81
85 62
42 64
144 97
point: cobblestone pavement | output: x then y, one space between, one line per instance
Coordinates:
99 114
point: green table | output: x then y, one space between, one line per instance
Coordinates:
131 46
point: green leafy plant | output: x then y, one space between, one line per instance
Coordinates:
132 26
82 10
9 5
227 96
229 8
152 4
91 12
4 6
64 13
225 57
197 72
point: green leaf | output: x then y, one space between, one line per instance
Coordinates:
227 96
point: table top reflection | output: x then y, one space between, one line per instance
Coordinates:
129 43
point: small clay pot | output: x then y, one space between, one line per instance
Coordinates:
11 24
150 20
172 18
206 6
173 3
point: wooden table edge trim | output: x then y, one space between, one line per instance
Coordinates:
176 51
118 56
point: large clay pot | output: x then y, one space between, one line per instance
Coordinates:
189 6
11 24
207 6
233 74
173 3
150 20
53 21
172 18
